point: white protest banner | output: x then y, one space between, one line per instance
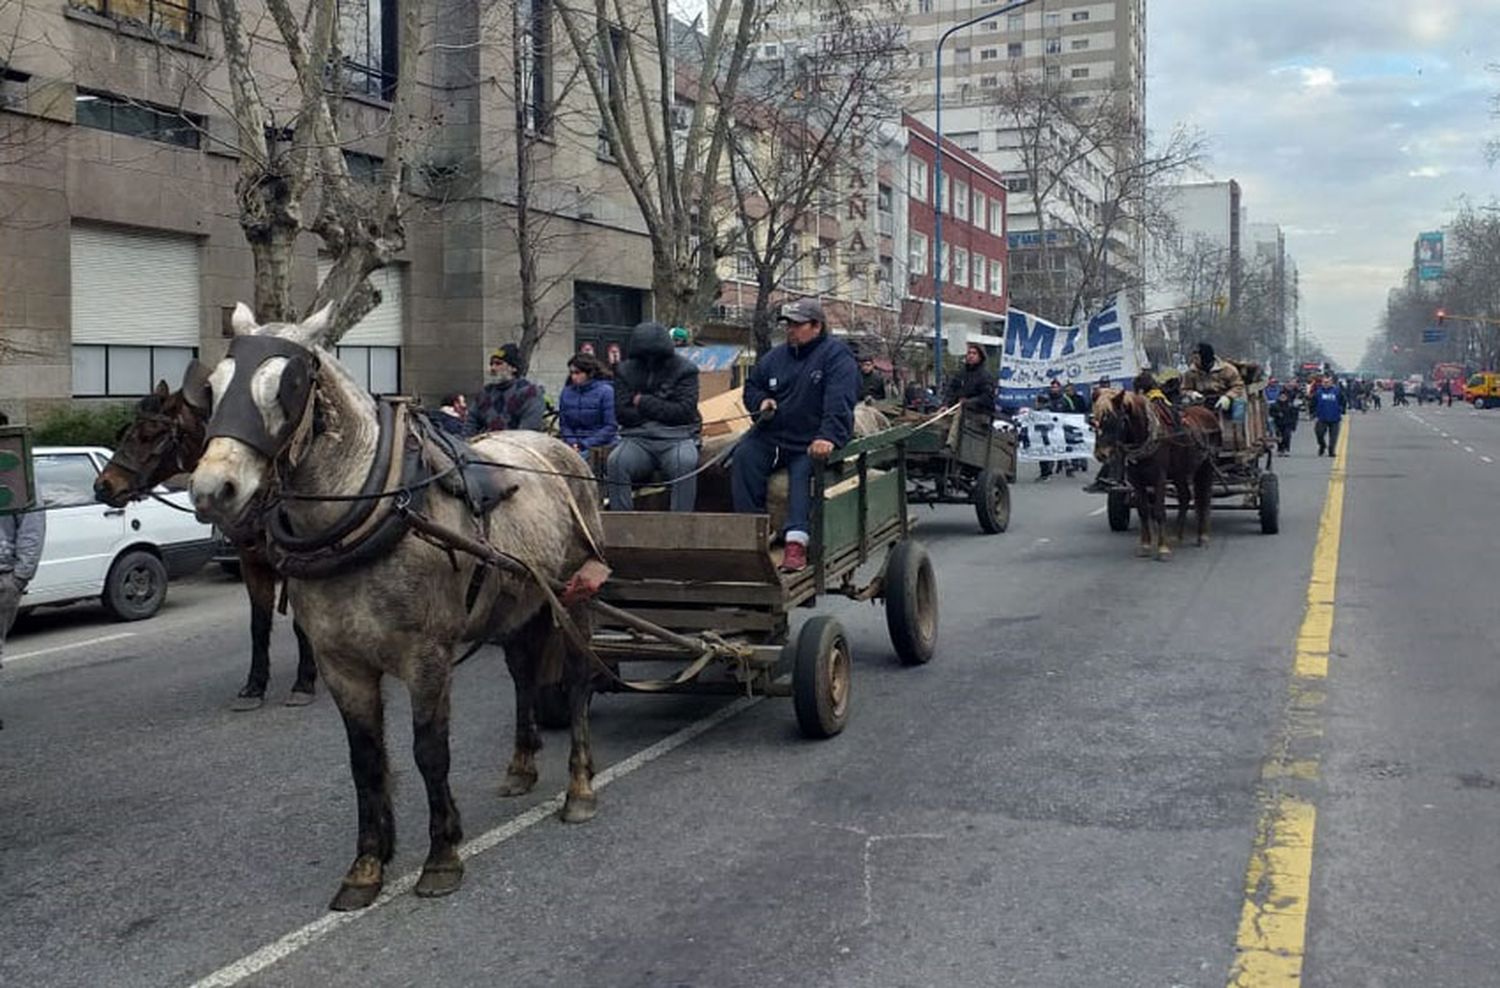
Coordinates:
1037 352
1052 436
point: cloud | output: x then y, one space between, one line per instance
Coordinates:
1353 125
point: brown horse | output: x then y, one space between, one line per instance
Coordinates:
1160 445
166 439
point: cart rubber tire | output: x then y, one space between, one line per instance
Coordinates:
136 586
1270 504
1118 509
911 605
820 677
992 502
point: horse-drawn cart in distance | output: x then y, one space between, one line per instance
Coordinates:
1242 465
961 458
702 590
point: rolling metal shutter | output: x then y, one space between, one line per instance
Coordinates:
383 325
133 288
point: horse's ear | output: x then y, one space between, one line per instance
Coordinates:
162 390
312 329
195 389
243 320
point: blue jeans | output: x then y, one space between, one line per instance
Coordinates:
754 460
635 459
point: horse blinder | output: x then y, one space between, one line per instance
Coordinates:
236 415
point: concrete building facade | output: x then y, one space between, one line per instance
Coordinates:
122 252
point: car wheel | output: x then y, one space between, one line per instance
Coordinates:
136 586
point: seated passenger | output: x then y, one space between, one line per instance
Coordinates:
586 407
808 385
974 385
656 406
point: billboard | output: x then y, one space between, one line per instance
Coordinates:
1429 255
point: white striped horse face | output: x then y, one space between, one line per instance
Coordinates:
259 391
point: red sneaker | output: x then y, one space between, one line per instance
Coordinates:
795 558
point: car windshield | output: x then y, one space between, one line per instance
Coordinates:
64 479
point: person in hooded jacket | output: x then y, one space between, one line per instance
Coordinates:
586 407
974 385
656 406
804 393
509 401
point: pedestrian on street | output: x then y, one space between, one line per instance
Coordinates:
508 401
1445 392
1328 407
1050 401
21 539
1075 405
1284 415
804 392
1398 393
586 407
656 406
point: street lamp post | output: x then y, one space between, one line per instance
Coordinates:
937 180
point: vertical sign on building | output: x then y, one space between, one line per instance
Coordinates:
1429 258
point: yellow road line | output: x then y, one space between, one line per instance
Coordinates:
1271 941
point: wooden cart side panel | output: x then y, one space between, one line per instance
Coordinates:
841 529
665 545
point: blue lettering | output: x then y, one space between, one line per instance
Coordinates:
1072 344
1104 328
1033 342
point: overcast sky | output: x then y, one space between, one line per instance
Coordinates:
1354 124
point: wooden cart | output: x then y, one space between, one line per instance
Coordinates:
702 591
1244 478
972 463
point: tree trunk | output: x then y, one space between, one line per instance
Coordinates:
762 324
273 250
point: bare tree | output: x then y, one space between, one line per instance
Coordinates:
626 52
1094 183
804 125
294 176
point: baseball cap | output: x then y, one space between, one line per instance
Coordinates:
802 310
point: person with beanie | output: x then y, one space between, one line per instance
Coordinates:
508 401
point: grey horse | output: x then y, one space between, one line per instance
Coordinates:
404 613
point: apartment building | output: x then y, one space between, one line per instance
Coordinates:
122 253
973 262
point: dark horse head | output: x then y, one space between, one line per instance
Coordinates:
164 439
1114 411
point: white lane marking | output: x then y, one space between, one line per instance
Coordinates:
1453 441
63 648
1468 449
1099 511
1487 459
278 950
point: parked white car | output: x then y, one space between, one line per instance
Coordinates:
121 556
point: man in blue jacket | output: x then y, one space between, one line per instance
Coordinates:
804 393
1328 409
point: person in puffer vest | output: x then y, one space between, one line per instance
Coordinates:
509 401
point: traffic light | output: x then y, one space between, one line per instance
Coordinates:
1441 315
17 492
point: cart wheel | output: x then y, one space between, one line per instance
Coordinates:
992 502
1270 504
820 678
911 607
552 708
1119 512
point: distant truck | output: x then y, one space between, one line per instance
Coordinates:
1483 390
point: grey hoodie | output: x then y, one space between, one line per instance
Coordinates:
21 538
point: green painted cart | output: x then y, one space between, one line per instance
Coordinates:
964 462
702 591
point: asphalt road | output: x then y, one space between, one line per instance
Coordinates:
1067 796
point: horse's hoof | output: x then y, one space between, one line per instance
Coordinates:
352 897
578 809
1143 551
299 698
1163 554
440 878
1203 543
247 701
518 783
